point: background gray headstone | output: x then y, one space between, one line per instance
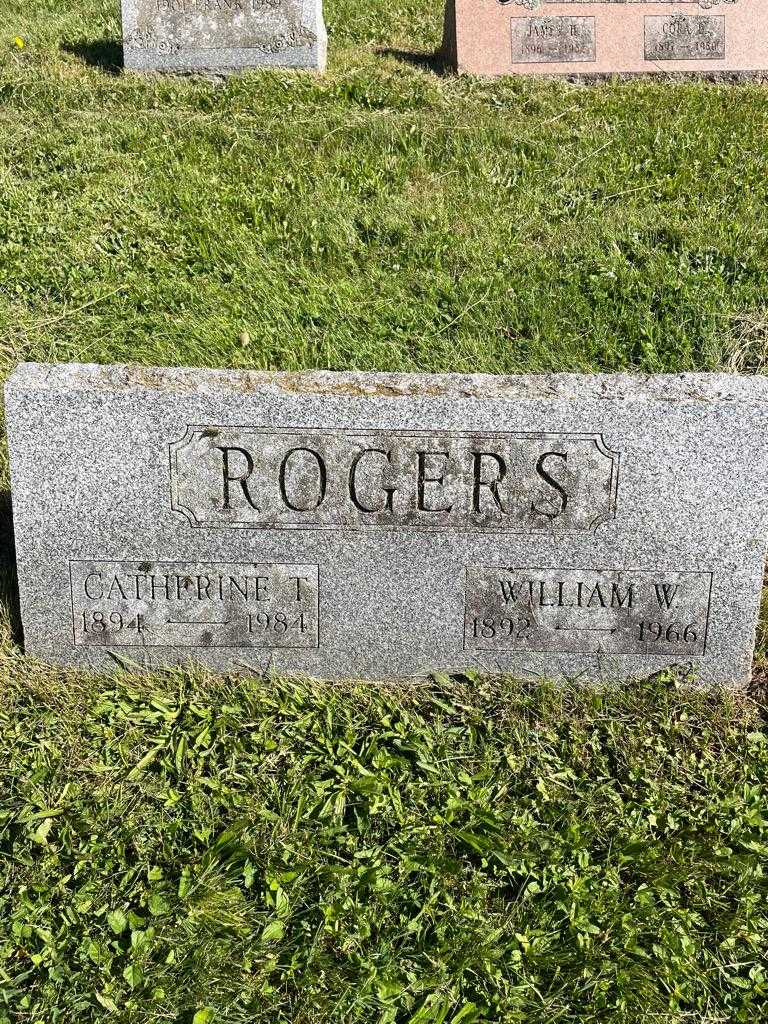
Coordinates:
223 35
383 526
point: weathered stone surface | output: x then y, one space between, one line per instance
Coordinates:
583 37
222 35
547 40
183 605
384 526
685 37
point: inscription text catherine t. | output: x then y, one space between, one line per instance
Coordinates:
186 604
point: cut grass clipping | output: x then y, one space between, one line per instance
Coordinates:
180 849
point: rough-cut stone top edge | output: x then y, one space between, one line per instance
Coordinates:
683 387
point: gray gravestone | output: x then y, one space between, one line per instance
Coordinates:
222 35
382 526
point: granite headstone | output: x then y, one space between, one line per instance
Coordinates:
381 526
585 37
220 36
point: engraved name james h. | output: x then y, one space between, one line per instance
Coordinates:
246 477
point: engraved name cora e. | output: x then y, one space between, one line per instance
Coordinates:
629 611
254 478
187 604
685 37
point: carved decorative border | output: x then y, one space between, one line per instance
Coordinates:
193 430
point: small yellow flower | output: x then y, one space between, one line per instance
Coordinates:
19 43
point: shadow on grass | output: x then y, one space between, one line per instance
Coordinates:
434 62
9 588
106 54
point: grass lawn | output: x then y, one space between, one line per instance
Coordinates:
184 848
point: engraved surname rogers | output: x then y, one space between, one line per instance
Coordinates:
546 40
196 605
587 611
685 37
258 478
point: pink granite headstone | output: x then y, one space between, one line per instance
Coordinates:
504 37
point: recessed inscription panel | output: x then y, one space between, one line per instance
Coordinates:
173 26
587 611
196 605
552 40
254 478
685 37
